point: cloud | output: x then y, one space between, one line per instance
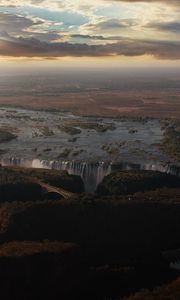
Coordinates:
20 47
39 2
16 24
165 26
95 37
27 27
170 2
109 30
109 25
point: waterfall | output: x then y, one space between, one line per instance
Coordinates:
92 173
164 168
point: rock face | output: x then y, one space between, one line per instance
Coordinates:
129 182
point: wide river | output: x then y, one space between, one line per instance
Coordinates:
85 146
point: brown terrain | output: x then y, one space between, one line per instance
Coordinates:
132 103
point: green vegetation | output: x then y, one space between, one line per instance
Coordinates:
44 131
6 136
128 182
71 127
132 131
65 153
73 140
70 130
99 127
47 150
171 139
113 148
2 151
142 120
78 152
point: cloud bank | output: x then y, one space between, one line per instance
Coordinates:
108 28
34 48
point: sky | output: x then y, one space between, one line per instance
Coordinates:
95 33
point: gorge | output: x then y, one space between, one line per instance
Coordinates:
92 173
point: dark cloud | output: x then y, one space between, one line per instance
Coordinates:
165 26
20 47
88 37
16 24
96 37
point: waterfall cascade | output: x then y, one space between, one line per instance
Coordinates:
165 168
92 173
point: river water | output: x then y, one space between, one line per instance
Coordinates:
44 140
